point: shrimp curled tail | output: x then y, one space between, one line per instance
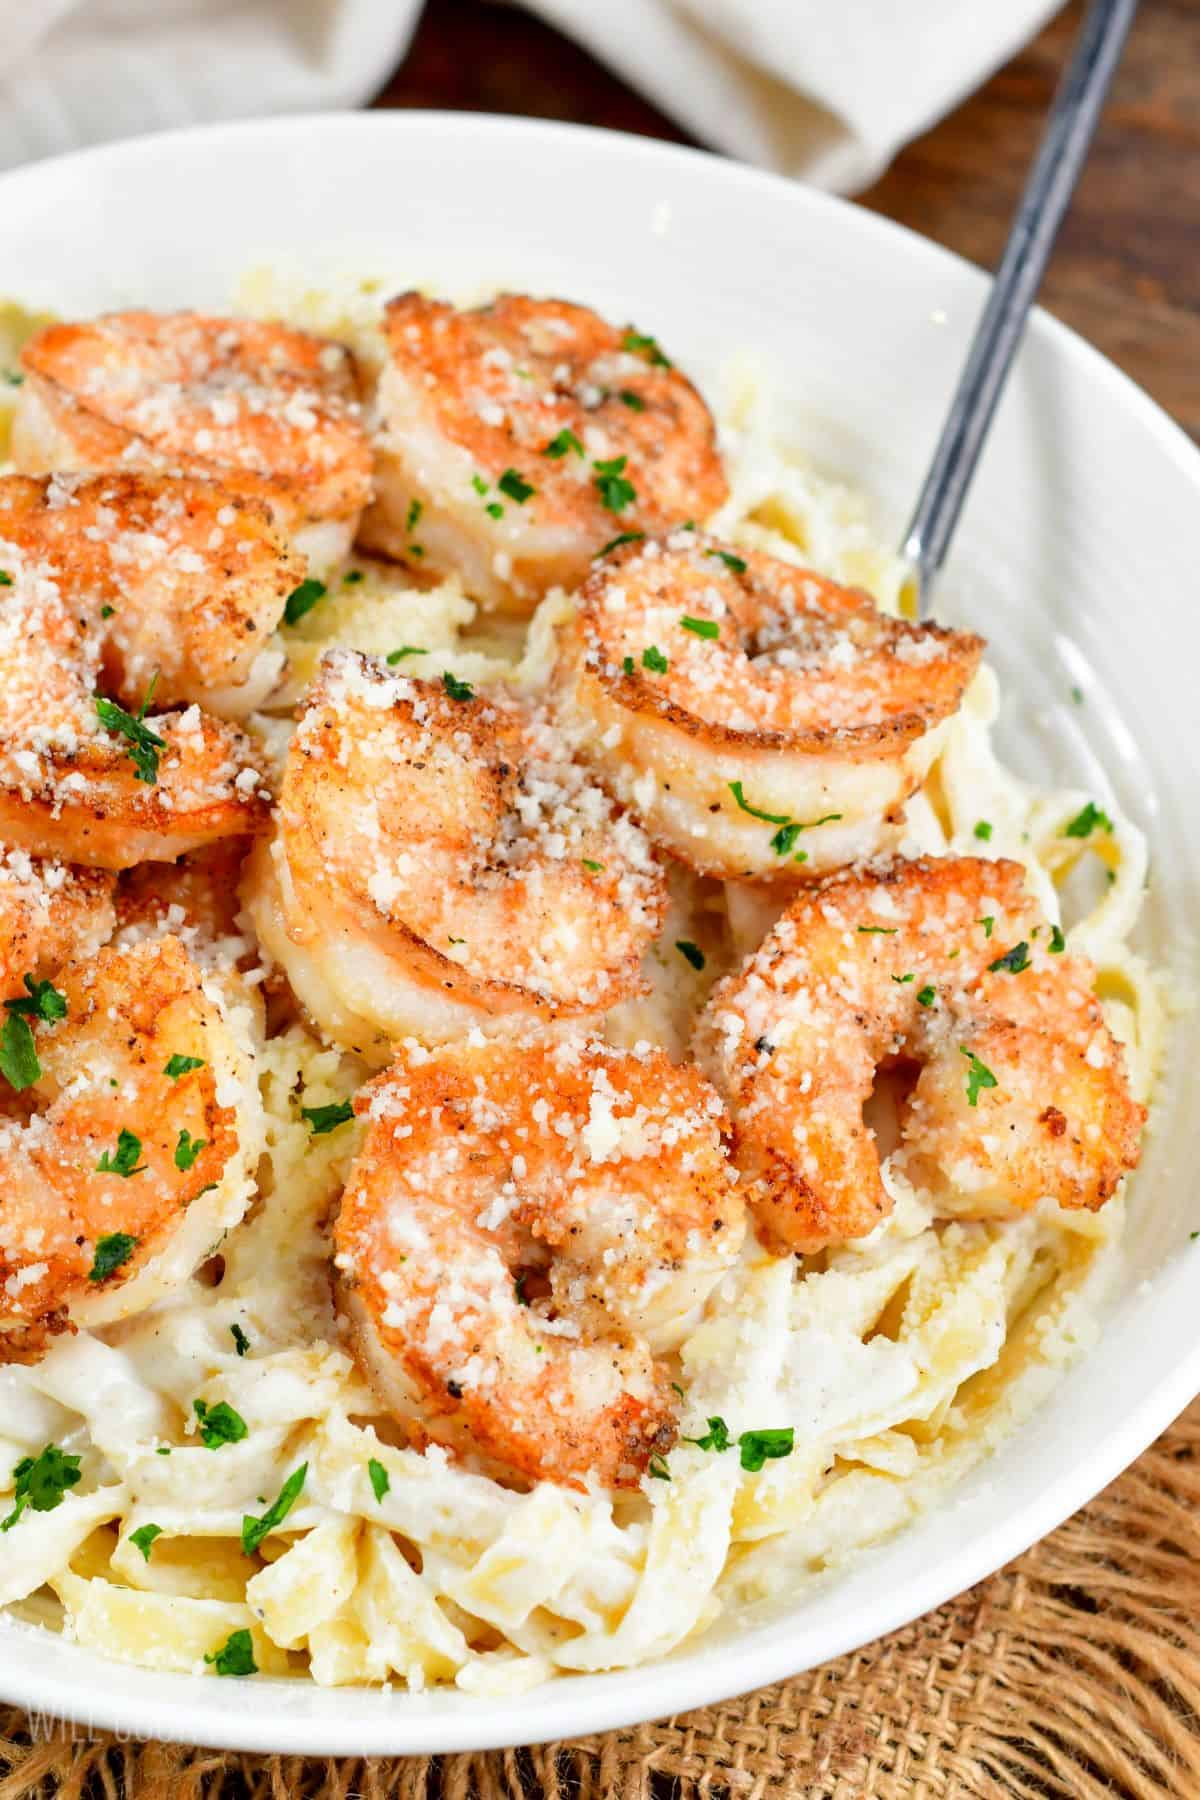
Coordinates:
526 1227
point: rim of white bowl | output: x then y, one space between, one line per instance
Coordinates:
579 1705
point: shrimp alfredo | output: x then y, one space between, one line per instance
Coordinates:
552 1088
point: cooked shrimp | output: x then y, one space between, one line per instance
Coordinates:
84 779
764 723
195 899
48 912
519 438
438 863
526 1228
122 1153
271 413
942 962
183 581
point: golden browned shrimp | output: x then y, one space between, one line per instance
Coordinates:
91 781
48 912
123 1156
270 412
439 863
764 723
183 581
946 963
527 1225
195 899
517 439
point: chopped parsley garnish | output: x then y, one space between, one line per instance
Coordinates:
515 486
983 829
301 600
1092 818
415 509
1058 942
124 1161
735 788
188 1149
590 863
236 1655
736 563
41 1000
479 484
690 952
653 658
106 612
703 628
616 493
562 443
784 839
901 979
457 690
927 996
878 930
219 1424
715 1438
324 1119
353 575
13 377
18 1056
6 579
144 1538
633 401
659 1469
622 537
255 1530
112 1250
1077 695
627 665
42 1482
395 656
143 744
758 1447
381 1481
988 922
979 1076
241 1342
1013 962
494 510
638 344
182 1065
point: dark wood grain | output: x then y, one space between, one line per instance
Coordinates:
1126 272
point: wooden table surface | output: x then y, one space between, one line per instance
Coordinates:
1126 272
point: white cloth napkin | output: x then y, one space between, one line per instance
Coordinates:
823 89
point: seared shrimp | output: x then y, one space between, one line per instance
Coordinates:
271 413
121 1154
764 723
183 581
438 863
946 963
518 439
195 899
88 780
526 1227
48 912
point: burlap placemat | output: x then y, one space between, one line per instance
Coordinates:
1075 1672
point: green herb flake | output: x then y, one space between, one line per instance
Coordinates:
324 1119
112 1250
878 930
590 863
241 1342
638 344
354 575
381 1481
715 1438
690 952
989 924
41 1482
784 839
562 443
979 1076
479 484
18 1056
41 1000
494 510
219 1424
1077 695
622 537
13 377
653 659
759 1447
144 745
187 1150
1013 962
616 493
236 1655
1092 818
396 656
983 829
456 689
926 996
627 665
255 1530
736 563
701 628
633 401
6 579
182 1065
515 486
900 980
301 600
106 612
1058 942
659 1469
144 1538
415 509
738 792
124 1161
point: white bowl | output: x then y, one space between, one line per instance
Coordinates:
1078 555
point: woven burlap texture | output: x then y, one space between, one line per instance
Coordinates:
1074 1672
